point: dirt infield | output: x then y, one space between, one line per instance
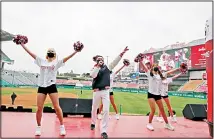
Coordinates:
28 99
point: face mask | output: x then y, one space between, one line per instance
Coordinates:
50 55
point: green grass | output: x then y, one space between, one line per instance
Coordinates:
131 102
138 103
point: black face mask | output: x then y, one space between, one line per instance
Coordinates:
156 69
50 55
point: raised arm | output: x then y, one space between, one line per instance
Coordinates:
28 51
114 63
176 76
172 71
119 69
68 57
78 46
143 65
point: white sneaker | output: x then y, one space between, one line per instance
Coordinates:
160 119
38 131
173 119
117 116
99 116
62 130
150 127
168 126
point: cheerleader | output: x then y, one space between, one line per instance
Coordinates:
112 76
154 97
164 92
47 80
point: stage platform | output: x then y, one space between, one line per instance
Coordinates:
22 125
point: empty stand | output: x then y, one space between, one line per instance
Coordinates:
132 85
192 85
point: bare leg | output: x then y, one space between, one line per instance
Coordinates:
161 109
40 104
113 104
55 101
169 106
152 107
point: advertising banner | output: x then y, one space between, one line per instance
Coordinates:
170 59
197 56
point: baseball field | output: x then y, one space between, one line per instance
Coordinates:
131 103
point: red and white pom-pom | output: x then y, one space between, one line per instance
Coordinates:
136 60
126 62
19 39
78 46
183 67
139 57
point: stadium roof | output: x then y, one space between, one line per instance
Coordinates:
176 46
5 58
5 36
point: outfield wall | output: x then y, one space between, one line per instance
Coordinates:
188 94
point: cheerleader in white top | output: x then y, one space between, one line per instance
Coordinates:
164 91
47 80
112 76
154 97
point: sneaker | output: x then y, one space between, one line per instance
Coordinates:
62 130
160 119
173 119
38 131
104 135
117 116
92 126
168 126
150 127
99 116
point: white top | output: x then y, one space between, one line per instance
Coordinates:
164 86
48 71
154 83
112 76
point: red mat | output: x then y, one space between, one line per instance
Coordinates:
23 125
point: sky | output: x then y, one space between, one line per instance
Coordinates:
104 28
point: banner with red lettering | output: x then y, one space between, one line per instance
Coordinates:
198 59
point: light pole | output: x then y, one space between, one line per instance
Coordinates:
107 60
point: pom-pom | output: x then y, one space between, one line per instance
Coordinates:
19 39
139 57
78 46
183 67
126 62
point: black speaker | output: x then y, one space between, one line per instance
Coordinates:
27 110
3 108
11 109
195 112
19 108
76 106
48 110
